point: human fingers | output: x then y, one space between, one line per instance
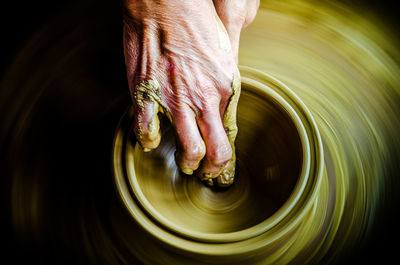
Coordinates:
218 148
191 147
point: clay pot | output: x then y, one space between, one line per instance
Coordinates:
178 219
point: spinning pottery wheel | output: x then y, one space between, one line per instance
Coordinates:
280 165
317 149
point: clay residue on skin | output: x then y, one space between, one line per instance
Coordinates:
150 91
224 41
147 91
148 95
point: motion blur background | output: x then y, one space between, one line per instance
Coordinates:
71 136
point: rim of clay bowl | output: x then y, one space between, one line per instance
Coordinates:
300 199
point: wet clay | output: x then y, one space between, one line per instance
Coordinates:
148 96
58 116
224 41
267 176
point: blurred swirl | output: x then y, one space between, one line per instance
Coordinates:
344 67
269 154
64 93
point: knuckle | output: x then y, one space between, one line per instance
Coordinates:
225 83
209 109
194 152
221 155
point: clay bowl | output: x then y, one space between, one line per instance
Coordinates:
279 165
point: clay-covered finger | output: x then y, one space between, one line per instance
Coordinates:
227 174
147 125
191 148
218 148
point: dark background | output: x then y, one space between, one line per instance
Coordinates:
19 20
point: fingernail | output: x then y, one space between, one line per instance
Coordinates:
187 171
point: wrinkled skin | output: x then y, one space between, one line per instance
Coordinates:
181 59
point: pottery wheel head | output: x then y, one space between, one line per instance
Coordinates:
270 160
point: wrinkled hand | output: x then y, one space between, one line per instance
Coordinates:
181 61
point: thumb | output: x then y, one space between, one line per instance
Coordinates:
229 13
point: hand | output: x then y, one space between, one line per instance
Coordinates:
179 61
